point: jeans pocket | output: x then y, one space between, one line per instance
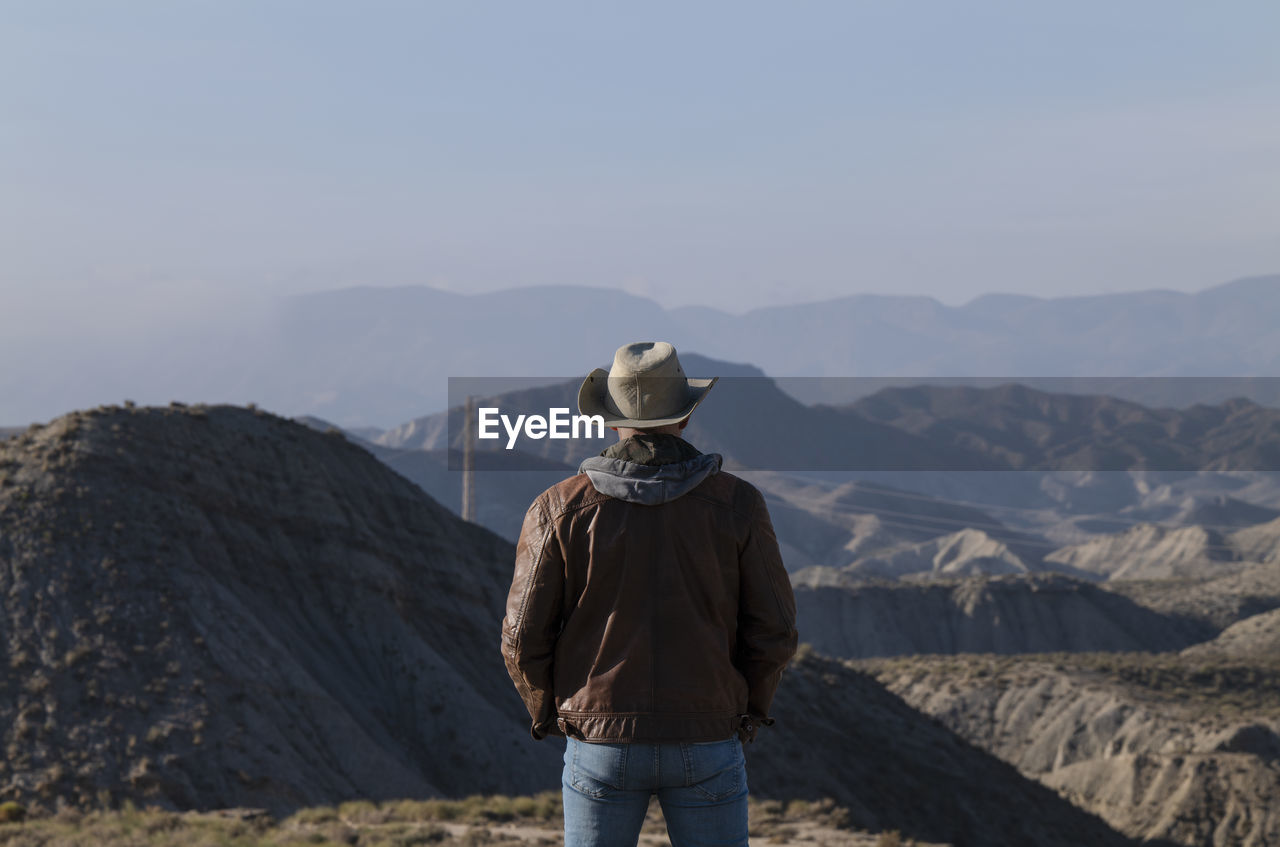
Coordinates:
716 770
597 769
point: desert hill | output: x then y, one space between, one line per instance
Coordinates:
963 553
217 607
1257 636
1258 543
864 518
897 769
1011 614
1148 551
1160 746
1218 600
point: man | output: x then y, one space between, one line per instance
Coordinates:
650 617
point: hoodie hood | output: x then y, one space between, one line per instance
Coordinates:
649 484
649 468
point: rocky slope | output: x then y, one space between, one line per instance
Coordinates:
963 553
1259 543
215 607
1148 551
1216 601
1257 636
859 520
1016 614
897 769
1161 746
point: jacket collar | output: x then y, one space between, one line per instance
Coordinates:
650 469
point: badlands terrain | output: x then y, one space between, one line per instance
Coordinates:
214 607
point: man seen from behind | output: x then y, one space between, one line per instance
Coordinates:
650 617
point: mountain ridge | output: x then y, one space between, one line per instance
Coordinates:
378 357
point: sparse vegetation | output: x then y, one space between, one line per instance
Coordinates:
470 822
770 818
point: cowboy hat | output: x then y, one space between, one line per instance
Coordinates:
645 388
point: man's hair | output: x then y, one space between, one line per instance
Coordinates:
653 429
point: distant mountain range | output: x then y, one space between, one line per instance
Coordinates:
379 356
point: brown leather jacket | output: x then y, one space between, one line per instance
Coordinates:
663 613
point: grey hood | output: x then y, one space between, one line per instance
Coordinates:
649 484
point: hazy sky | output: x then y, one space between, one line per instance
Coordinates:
159 154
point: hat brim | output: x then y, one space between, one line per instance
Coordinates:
591 401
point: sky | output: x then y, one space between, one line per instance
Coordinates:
179 157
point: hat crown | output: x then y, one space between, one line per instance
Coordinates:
645 387
646 381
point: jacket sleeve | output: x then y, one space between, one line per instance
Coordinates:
767 636
532 622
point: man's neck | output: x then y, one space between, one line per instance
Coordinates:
652 448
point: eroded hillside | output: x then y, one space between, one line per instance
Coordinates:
1013 614
895 768
1161 746
217 607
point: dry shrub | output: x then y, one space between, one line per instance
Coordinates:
363 812
314 815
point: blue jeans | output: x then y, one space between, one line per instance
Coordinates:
702 787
